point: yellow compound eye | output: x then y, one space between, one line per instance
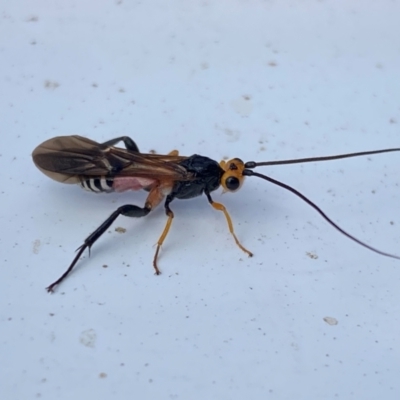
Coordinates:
233 177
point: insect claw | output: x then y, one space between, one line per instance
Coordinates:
79 248
156 270
50 289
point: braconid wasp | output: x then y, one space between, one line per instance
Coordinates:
104 168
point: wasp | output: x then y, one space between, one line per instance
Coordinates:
105 168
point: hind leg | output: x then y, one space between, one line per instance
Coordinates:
153 199
128 142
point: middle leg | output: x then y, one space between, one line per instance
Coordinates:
164 234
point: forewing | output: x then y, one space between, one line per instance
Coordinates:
67 158
148 165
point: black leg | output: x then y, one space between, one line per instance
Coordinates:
127 210
128 142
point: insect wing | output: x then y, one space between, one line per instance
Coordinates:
155 166
67 158
64 158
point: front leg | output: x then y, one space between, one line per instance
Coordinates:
221 207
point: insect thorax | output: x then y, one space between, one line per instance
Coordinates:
208 177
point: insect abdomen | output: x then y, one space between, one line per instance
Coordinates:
98 185
102 184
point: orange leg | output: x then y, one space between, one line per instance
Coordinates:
164 234
221 207
154 198
160 241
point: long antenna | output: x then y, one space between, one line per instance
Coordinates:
253 164
248 172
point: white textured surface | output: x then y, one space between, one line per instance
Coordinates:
258 80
